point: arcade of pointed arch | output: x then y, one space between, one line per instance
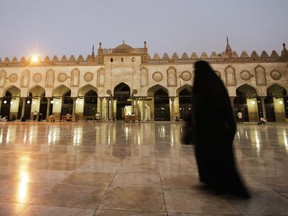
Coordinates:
260 71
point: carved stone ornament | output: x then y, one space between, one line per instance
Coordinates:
62 77
245 75
13 78
186 76
37 77
88 76
157 76
275 75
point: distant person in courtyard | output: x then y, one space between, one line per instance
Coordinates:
262 120
214 127
97 116
35 114
239 117
52 118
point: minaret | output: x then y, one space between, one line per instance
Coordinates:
284 53
100 54
93 54
228 48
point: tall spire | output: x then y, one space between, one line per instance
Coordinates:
228 48
93 54
284 53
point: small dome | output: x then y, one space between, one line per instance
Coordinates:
123 48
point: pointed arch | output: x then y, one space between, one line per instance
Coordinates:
37 91
161 102
60 90
122 95
276 90
85 89
246 102
90 95
185 100
155 88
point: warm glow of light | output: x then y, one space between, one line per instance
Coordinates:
253 102
35 58
280 102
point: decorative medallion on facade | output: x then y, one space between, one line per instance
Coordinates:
186 75
62 77
275 75
245 75
37 77
13 78
88 76
157 76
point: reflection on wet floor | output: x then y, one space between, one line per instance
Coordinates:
132 169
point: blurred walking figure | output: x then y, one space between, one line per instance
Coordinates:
239 118
214 128
35 115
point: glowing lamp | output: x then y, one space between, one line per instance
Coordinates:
35 58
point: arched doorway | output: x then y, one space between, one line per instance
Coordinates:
276 104
6 104
62 101
11 103
185 102
90 103
161 105
67 104
123 100
246 102
38 102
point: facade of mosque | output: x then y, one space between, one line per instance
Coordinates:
124 80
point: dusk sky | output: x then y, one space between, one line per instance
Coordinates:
71 27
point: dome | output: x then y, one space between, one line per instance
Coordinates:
123 48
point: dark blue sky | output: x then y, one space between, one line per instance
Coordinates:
71 27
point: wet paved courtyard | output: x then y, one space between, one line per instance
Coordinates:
122 168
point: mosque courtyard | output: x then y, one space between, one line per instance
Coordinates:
118 168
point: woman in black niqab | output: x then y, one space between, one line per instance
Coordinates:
214 128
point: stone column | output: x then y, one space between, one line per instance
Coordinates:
108 109
172 113
48 108
262 99
100 106
23 107
74 108
136 106
1 105
112 109
143 108
132 103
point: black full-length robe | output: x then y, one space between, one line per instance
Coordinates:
214 129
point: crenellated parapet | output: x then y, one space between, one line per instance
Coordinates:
218 58
227 56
